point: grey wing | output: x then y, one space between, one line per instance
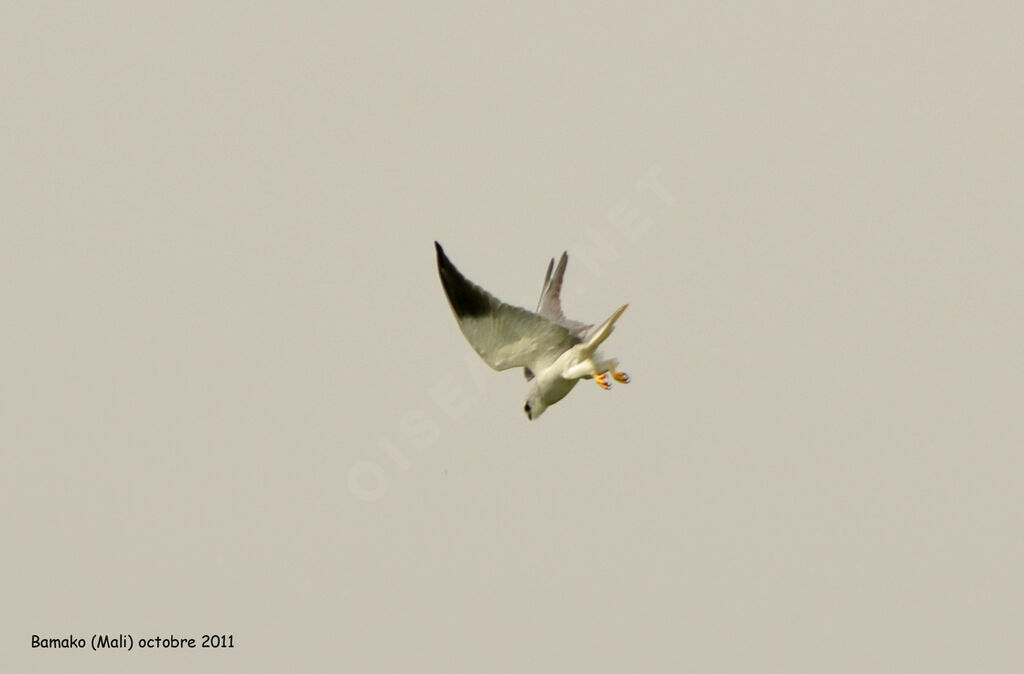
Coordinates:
503 335
550 304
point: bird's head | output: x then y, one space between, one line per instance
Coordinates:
535 404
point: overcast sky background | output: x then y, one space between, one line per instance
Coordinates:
233 398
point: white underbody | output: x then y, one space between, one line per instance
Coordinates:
555 382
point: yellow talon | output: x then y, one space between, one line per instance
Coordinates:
602 381
620 377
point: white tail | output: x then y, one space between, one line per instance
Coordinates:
602 333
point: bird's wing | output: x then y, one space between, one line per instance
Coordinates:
550 304
505 336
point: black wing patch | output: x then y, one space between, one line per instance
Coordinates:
467 299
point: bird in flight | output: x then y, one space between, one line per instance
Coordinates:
554 351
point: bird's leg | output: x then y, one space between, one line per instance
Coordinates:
620 377
579 370
602 381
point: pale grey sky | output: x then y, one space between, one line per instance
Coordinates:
233 398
